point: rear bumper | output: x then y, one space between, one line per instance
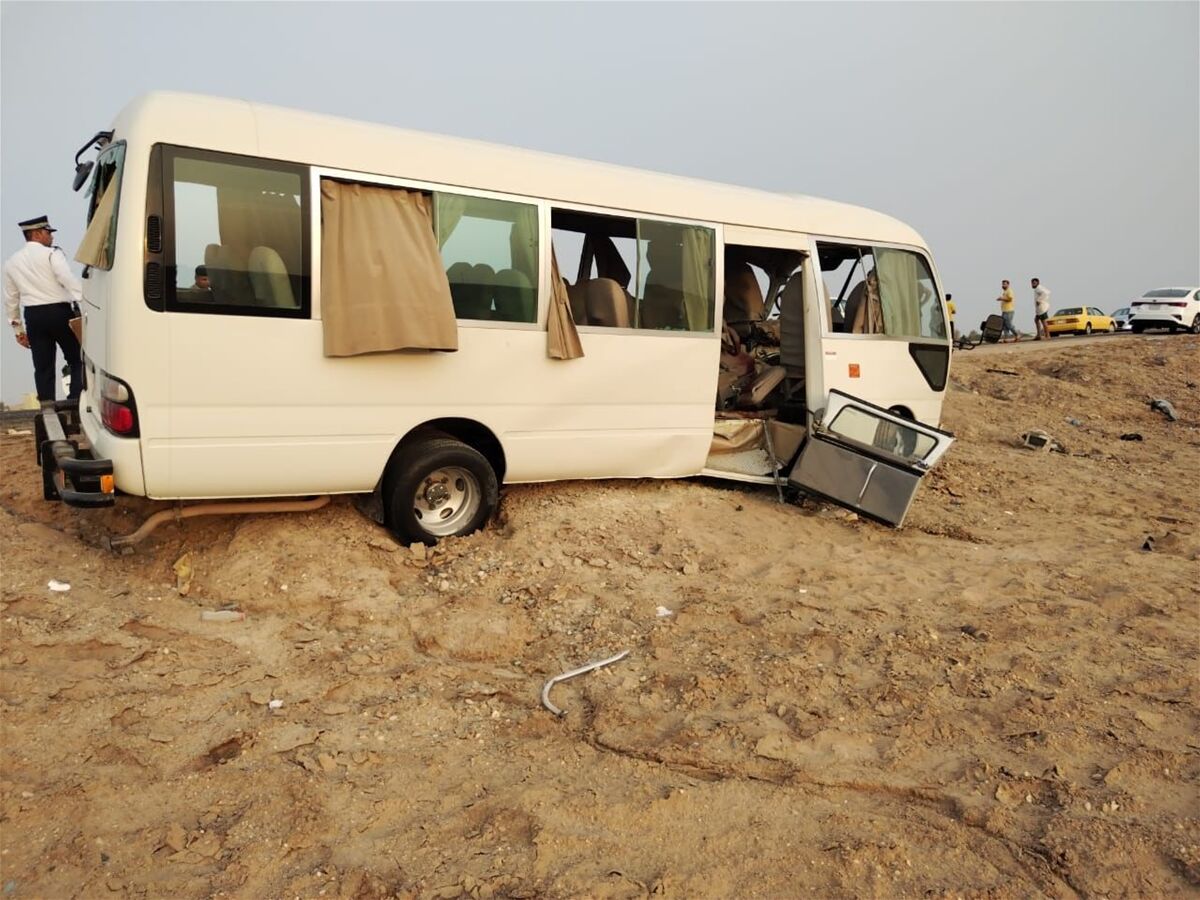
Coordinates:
1160 319
70 472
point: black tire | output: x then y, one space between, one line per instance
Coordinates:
439 470
1196 324
1087 328
1136 328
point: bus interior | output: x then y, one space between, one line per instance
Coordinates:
760 403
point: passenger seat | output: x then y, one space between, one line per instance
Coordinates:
607 303
743 296
228 277
269 279
471 289
662 300
514 297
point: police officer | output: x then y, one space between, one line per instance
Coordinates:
38 278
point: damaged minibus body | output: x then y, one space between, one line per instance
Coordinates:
280 304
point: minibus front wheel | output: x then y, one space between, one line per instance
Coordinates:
440 487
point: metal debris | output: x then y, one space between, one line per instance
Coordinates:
1164 407
1036 439
582 670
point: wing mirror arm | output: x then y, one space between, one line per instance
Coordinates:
99 140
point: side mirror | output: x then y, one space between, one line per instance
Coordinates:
82 170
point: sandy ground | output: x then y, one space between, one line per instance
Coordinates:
999 700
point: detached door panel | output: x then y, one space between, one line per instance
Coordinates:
865 458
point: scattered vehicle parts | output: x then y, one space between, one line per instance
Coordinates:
582 670
1036 439
222 615
1164 407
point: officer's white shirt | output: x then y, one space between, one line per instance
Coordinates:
37 275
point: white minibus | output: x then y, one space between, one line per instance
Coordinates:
283 304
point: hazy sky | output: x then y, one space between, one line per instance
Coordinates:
1052 139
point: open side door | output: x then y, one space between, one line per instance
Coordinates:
867 459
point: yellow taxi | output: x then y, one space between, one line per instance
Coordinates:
1080 320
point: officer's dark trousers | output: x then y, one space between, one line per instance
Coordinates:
46 326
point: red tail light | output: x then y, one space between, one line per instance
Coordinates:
117 409
116 418
1182 303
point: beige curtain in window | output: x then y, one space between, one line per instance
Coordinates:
562 338
450 209
93 249
868 310
382 282
698 291
523 242
899 291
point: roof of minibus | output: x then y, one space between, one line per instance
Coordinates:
254 129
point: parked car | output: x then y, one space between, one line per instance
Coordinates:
1079 320
1121 317
1176 308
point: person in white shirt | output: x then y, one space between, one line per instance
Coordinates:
1041 308
38 279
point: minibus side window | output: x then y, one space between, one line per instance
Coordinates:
675 276
881 290
236 235
490 251
636 273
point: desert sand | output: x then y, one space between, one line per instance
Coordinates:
998 700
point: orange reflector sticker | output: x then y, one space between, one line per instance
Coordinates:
854 370
106 484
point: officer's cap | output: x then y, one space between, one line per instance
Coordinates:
35 223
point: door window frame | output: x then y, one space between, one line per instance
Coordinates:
826 320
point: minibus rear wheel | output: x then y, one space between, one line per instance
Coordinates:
440 487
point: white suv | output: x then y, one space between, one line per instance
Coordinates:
1169 308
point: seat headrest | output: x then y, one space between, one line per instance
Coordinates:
514 296
459 273
743 293
607 303
269 278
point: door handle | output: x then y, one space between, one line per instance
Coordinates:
867 481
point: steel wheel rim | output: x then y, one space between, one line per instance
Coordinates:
446 500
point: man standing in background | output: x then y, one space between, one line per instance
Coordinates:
1008 306
950 310
1041 308
38 278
